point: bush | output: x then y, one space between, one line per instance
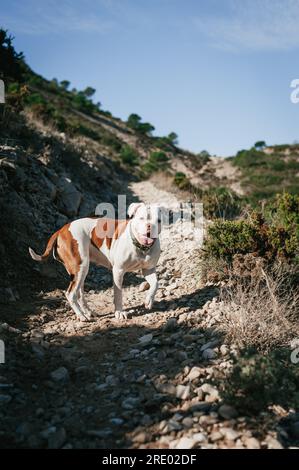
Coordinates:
258 381
259 308
221 203
129 156
134 122
157 161
271 235
181 181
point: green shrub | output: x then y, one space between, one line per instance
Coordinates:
134 121
271 235
157 161
221 203
181 181
258 381
129 156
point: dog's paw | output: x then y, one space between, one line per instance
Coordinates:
83 317
121 315
148 303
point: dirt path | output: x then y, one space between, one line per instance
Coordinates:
144 382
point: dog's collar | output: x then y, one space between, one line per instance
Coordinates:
137 244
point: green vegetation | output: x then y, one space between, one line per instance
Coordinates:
265 174
134 121
272 234
258 381
129 156
157 161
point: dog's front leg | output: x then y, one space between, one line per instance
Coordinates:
118 275
151 277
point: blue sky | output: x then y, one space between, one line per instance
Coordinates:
217 72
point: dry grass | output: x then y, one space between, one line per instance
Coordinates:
261 312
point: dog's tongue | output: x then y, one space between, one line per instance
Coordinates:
146 240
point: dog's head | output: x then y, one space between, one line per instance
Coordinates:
146 222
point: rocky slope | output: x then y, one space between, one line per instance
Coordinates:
154 380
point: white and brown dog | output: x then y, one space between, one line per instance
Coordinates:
120 245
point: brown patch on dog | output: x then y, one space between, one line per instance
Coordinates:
108 230
68 250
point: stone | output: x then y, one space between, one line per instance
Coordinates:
230 434
194 373
117 421
130 403
251 443
183 392
224 350
294 428
215 436
227 412
170 325
141 437
68 197
187 422
209 345
167 388
185 443
209 354
273 443
57 439
5 399
146 339
60 375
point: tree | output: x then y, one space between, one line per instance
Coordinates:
173 138
89 92
134 121
260 145
65 84
11 63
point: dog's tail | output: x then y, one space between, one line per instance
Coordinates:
49 247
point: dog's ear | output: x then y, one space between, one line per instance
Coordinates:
132 209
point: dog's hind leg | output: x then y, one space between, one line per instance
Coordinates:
73 293
83 304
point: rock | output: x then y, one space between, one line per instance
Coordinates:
25 429
227 412
187 422
170 325
60 375
185 443
183 392
224 349
117 421
69 198
143 286
273 443
146 339
211 392
209 345
209 354
199 437
141 437
57 439
295 429
215 436
5 399
194 373
180 355
167 388
251 443
230 434
101 433
130 403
